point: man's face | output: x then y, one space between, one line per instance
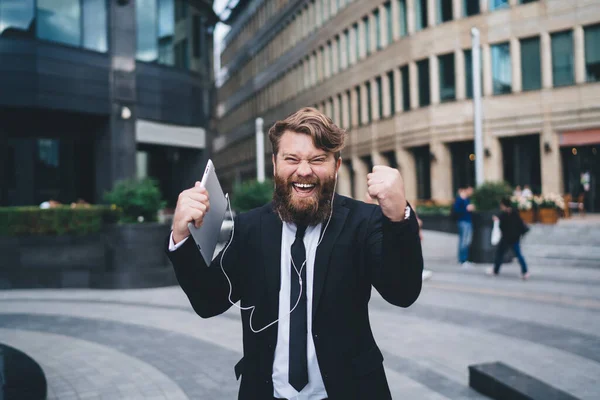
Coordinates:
304 179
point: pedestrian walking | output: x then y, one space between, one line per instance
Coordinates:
513 228
463 213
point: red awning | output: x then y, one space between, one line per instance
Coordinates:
580 138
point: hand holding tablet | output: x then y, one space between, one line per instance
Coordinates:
198 216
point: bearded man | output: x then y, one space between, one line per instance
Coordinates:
303 267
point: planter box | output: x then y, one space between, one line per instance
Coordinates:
528 216
120 256
439 223
548 216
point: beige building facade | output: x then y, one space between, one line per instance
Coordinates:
397 76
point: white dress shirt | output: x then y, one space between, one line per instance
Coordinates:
315 389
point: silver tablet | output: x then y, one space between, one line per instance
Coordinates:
207 235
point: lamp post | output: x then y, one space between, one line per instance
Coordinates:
260 151
477 106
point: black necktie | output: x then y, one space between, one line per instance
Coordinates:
298 373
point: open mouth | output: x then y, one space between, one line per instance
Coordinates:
304 189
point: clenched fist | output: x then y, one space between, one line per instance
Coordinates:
192 205
385 184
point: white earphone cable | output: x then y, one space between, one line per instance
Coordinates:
298 272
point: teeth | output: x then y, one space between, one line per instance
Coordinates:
303 185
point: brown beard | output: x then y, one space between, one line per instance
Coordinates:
307 211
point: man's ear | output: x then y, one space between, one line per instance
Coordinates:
338 164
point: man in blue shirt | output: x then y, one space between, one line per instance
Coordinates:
463 210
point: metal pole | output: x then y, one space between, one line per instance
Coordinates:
260 151
477 107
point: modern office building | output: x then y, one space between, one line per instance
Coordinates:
94 91
398 74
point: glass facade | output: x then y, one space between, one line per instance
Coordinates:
95 20
79 23
359 105
423 78
498 4
356 41
501 68
147 30
447 77
369 105
444 11
16 18
562 59
531 70
592 52
469 73
166 31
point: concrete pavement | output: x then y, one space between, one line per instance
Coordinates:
149 344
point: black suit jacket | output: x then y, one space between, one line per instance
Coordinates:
361 248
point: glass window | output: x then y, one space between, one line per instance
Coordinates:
147 46
182 57
369 105
59 21
198 35
16 17
340 52
330 54
501 68
378 45
349 98
359 105
470 7
403 27
356 41
389 24
322 66
530 64
390 76
444 8
338 114
181 9
447 77
405 88
47 163
592 52
498 4
379 96
423 77
526 1
367 35
166 31
348 44
469 72
94 25
421 14
562 59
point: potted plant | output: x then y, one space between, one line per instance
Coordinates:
136 243
486 199
548 206
525 207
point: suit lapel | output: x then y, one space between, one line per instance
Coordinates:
271 241
340 212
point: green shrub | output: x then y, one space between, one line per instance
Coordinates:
137 198
487 196
433 210
251 194
19 221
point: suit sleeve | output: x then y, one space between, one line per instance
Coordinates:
395 258
207 287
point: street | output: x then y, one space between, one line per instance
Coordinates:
149 344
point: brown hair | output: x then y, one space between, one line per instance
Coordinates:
310 121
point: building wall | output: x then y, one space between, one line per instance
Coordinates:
302 65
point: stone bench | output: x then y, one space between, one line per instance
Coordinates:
500 381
